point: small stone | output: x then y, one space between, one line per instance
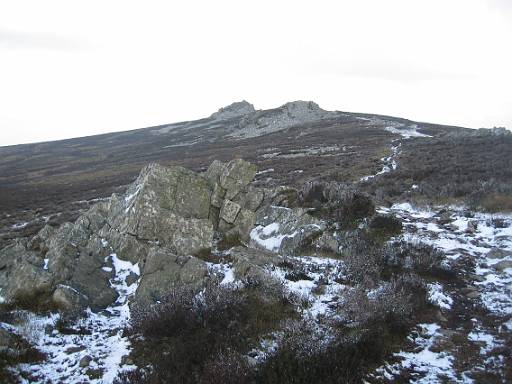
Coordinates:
75 349
85 361
445 218
472 226
131 278
473 295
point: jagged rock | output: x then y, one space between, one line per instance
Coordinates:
171 209
243 224
237 175
163 270
285 196
97 216
250 198
38 242
167 205
264 122
214 171
90 279
63 249
218 195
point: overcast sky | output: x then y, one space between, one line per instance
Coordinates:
76 68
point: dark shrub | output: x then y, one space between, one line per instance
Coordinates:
419 257
227 367
363 259
303 358
191 335
353 207
337 201
385 226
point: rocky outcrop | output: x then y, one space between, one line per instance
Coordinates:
164 221
294 113
236 109
234 202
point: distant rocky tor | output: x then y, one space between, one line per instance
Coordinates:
167 219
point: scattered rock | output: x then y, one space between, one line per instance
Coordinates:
502 265
85 361
472 226
74 349
445 218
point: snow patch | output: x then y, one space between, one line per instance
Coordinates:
408 132
437 297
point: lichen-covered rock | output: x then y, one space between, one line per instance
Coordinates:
166 205
214 171
127 247
92 280
164 270
237 174
22 275
243 225
229 211
250 198
168 215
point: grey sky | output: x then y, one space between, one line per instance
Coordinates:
71 69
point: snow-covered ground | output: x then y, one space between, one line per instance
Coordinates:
476 246
93 357
479 248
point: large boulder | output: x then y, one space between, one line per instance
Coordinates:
164 270
170 206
